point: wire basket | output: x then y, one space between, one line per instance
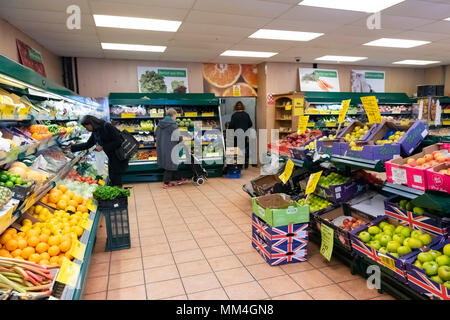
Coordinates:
117 228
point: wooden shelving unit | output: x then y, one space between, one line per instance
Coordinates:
284 119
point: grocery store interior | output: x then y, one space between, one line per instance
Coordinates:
224 150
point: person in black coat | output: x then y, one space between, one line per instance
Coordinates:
107 138
241 120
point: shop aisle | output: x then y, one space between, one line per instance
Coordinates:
193 242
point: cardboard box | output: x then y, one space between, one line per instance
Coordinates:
343 192
295 213
349 129
328 146
420 282
271 235
413 137
264 184
438 181
399 265
426 223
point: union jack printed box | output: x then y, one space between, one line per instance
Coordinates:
425 223
280 245
399 267
419 281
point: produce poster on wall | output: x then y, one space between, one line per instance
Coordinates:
367 81
30 57
325 80
230 80
162 80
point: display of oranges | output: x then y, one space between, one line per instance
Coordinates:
63 199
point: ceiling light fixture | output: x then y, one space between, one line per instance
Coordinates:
448 19
253 54
132 47
285 35
396 43
416 62
136 23
353 5
341 58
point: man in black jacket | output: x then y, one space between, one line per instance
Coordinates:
241 120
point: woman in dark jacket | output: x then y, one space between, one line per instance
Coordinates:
107 138
241 120
164 147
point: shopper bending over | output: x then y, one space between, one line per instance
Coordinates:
164 146
241 120
107 138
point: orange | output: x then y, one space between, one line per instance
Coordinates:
79 199
82 208
54 240
51 204
45 232
22 235
32 233
78 230
53 198
71 208
245 89
33 241
65 245
38 209
11 231
250 74
11 245
62 188
70 194
34 258
5 238
56 191
72 203
61 260
4 252
54 261
45 256
221 75
44 262
42 247
65 197
16 253
44 199
28 251
62 204
53 251
43 237
22 243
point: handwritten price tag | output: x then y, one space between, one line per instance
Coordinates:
371 107
288 107
312 182
190 114
128 115
287 171
302 124
208 114
86 223
69 272
326 248
388 262
77 249
299 103
344 109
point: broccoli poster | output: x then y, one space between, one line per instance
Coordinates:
162 80
326 80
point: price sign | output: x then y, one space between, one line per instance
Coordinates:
69 272
152 158
311 124
92 207
287 171
326 248
86 223
404 122
299 103
344 109
8 112
288 107
371 107
101 182
23 113
190 114
77 249
128 115
302 124
236 91
208 114
331 124
388 262
312 182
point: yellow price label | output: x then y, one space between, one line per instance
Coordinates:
92 207
101 182
208 114
311 124
299 104
288 107
286 175
77 249
326 247
371 107
152 158
344 109
128 115
236 90
302 124
8 112
69 272
86 223
190 114
312 182
388 262
331 124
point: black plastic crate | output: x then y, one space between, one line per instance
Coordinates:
113 204
117 228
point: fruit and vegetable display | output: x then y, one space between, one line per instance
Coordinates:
436 265
351 223
64 199
428 160
75 176
5 196
332 179
408 206
20 169
145 138
395 240
110 193
357 133
181 122
296 140
394 109
315 203
136 110
11 180
392 136
145 154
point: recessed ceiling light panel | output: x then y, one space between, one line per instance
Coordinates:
396 43
132 47
136 23
284 35
353 5
341 58
253 54
416 62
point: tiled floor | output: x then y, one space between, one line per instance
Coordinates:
194 243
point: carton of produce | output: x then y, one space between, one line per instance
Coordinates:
279 210
339 189
438 178
415 218
264 184
358 131
328 146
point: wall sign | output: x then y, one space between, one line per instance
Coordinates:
30 57
162 80
326 80
368 81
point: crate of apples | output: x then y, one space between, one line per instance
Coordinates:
350 224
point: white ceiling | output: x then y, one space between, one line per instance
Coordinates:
212 26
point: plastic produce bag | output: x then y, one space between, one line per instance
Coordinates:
100 163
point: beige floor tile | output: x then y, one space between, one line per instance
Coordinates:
331 292
250 258
179 236
246 291
241 247
200 282
301 295
150 240
165 289
130 293
206 233
228 230
210 242
148 232
218 251
158 260
311 279
188 256
296 267
128 265
101 257
264 271
176 228
224 263
234 276
358 289
339 273
279 285
180 297
126 279
183 245
125 254
235 237
155 249
161 274
215 294
95 285
95 296
98 269
192 268
318 261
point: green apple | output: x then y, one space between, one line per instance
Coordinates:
385 239
388 231
415 243
406 232
392 246
398 237
402 250
399 229
435 253
425 257
437 279
416 234
446 250
425 238
374 230
382 250
378 236
394 254
443 260
409 206
418 210
403 204
405 242
431 268
418 264
364 236
375 244
444 273
447 284
389 227
382 224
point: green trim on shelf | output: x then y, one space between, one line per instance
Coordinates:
161 99
337 97
377 166
401 190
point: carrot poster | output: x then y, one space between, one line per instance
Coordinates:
325 80
228 80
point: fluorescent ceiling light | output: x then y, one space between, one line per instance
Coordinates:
396 43
448 19
132 47
285 35
255 54
341 58
136 23
353 5
416 62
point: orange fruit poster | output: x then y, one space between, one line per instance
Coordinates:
228 80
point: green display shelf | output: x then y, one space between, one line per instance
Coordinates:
357 163
401 190
162 99
337 97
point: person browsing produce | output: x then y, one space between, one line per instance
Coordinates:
241 120
107 138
